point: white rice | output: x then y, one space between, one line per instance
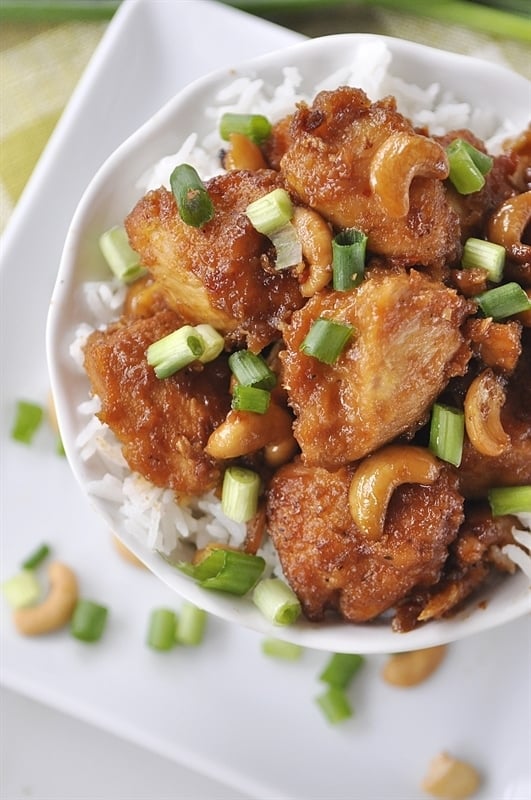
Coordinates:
151 514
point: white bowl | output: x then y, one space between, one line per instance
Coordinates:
111 195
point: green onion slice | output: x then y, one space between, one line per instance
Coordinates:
271 212
250 369
28 419
256 127
175 351
348 259
239 493
213 342
468 166
192 198
326 340
250 398
341 669
503 301
225 570
161 629
121 259
486 255
288 248
88 621
277 648
447 431
191 625
335 705
277 601
510 500
23 589
37 557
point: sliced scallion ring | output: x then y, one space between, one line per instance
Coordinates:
239 493
447 431
250 369
485 255
175 351
503 301
326 340
28 419
225 570
510 500
348 259
193 201
88 621
341 669
256 127
161 629
121 259
250 398
277 601
271 212
466 168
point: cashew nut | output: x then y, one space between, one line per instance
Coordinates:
400 158
410 669
244 432
378 476
316 241
451 778
243 154
508 224
56 609
483 403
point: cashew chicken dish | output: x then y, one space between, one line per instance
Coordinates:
331 337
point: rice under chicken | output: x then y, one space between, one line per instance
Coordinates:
419 339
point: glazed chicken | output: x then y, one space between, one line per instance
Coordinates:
406 345
217 274
163 426
331 565
362 165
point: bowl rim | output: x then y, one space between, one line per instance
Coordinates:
329 635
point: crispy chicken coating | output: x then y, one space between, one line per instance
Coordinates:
220 273
407 343
328 163
163 425
331 565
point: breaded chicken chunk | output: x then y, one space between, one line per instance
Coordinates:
329 165
219 273
163 425
330 564
406 345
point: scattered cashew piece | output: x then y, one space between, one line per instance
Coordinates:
56 609
483 403
414 667
450 778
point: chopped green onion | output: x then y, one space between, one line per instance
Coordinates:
175 351
270 212
225 570
287 246
28 419
348 259
503 301
255 126
250 369
335 705
277 601
22 590
467 165
193 201
36 558
340 669
447 431
250 398
326 340
239 493
161 629
191 625
213 342
510 500
277 648
486 255
88 621
121 259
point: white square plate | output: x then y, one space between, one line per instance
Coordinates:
223 709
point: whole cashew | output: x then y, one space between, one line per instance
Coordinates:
483 403
507 226
378 476
414 667
450 778
316 240
399 159
57 608
244 432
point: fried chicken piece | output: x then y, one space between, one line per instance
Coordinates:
218 273
163 425
327 165
477 472
330 564
406 345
